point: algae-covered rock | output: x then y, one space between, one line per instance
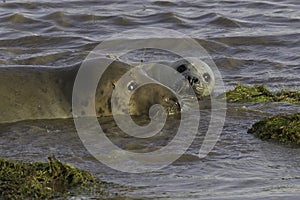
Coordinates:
282 128
20 180
260 93
288 96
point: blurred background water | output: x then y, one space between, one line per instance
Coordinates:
252 42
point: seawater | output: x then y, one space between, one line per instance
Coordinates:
252 42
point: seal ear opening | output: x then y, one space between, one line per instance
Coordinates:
181 68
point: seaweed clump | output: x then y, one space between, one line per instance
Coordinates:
282 128
20 180
260 93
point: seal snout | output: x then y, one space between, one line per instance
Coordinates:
198 75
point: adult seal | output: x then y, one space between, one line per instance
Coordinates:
30 92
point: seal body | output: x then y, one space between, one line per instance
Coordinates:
35 93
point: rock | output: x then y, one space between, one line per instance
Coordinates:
260 93
20 180
281 128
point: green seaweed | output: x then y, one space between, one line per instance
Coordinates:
281 128
21 180
260 93
288 96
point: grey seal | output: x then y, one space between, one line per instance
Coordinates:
30 92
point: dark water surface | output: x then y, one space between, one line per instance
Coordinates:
253 42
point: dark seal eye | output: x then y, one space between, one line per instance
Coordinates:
206 77
132 85
181 68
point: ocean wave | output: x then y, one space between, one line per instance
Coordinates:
264 40
19 18
34 41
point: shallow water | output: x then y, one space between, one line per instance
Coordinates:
256 42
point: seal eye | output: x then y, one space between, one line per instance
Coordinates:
206 77
132 86
181 68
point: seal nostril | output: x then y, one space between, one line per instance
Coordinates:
181 68
190 80
195 80
132 85
206 77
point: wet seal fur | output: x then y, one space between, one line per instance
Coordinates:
29 92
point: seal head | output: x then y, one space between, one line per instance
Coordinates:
198 74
